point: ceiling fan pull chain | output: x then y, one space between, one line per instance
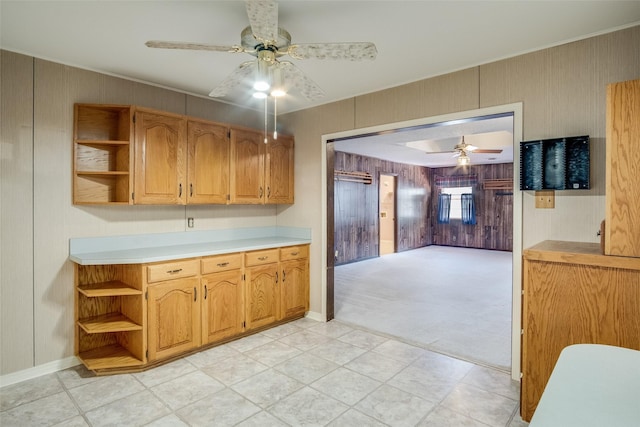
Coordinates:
266 104
275 117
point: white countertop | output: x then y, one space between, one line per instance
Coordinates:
139 249
592 385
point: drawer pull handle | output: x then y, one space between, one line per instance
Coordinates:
174 271
263 258
222 264
295 253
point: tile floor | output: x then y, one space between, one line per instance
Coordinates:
304 373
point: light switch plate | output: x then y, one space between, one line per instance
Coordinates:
545 199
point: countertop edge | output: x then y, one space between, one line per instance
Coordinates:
173 252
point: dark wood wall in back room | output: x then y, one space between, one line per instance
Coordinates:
494 212
356 207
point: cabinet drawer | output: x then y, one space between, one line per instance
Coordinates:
218 263
172 270
294 252
261 257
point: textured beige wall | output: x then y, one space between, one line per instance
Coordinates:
37 216
562 90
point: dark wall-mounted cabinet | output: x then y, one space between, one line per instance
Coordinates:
555 164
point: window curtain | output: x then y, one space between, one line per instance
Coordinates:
468 209
444 206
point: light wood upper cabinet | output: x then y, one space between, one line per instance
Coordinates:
208 163
622 225
174 317
160 158
247 166
279 170
125 154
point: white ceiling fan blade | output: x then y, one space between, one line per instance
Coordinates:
307 87
193 46
263 17
232 80
356 51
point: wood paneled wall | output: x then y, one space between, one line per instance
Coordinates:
356 207
494 212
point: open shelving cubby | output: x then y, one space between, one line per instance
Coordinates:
103 137
110 316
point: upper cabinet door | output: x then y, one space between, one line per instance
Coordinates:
160 158
208 163
279 171
622 226
247 167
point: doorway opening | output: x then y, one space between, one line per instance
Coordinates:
387 213
513 110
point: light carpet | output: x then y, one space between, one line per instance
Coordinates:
455 301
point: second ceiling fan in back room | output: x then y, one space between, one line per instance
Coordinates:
268 43
462 151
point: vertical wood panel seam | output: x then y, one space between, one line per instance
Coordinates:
33 215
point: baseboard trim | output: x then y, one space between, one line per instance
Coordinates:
38 371
315 316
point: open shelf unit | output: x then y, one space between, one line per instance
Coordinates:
103 136
110 316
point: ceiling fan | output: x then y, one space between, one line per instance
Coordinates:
462 150
267 42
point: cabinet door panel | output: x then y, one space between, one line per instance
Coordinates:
222 312
294 288
279 171
173 317
208 163
247 167
159 159
262 295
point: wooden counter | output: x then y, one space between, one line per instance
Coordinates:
572 294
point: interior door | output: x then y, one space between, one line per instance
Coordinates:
387 210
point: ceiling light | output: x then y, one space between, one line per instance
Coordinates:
260 95
463 159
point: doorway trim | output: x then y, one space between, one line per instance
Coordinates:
327 156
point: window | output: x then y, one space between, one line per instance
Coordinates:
455 210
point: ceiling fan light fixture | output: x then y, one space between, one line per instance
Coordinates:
464 160
260 95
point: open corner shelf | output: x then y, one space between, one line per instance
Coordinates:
107 357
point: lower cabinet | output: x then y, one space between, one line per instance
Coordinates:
261 276
173 317
129 317
572 294
294 278
222 304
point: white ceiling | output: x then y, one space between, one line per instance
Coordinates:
415 39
